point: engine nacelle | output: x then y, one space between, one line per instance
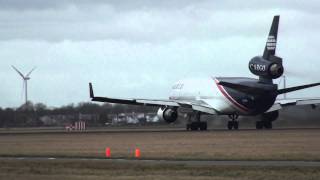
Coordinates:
167 114
270 69
270 116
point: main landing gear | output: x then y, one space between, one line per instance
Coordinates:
197 124
263 124
267 119
233 124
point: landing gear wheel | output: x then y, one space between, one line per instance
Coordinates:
233 125
197 124
236 125
259 125
194 126
188 126
263 124
203 126
230 125
267 125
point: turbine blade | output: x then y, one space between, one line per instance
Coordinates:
31 71
18 71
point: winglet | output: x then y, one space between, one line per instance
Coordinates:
91 90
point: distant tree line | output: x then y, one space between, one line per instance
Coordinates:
33 115
29 115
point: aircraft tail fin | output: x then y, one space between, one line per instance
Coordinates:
271 43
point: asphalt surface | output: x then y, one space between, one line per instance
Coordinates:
131 130
259 163
193 163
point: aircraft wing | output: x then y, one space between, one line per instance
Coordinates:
143 102
282 103
154 102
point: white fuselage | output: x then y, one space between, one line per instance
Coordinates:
206 91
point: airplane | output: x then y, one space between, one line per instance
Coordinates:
231 96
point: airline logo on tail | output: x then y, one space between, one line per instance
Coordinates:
271 43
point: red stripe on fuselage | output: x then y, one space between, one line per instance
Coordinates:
233 101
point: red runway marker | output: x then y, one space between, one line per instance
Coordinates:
108 152
137 153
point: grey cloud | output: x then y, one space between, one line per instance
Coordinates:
105 22
125 5
132 48
61 4
30 5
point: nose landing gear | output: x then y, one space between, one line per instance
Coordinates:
233 124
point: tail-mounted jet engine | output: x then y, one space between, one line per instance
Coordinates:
167 114
269 69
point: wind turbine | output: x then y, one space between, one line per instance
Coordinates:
25 81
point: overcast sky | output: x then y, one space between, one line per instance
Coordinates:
140 48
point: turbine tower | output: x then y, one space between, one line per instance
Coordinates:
284 86
25 81
284 79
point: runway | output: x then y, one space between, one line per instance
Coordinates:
193 163
135 130
281 147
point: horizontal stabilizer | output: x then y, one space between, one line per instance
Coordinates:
296 88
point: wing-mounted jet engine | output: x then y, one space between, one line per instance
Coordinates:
167 114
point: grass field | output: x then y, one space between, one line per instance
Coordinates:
80 170
215 145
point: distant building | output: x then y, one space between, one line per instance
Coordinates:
62 119
133 118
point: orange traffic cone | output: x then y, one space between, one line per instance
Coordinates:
137 153
108 152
